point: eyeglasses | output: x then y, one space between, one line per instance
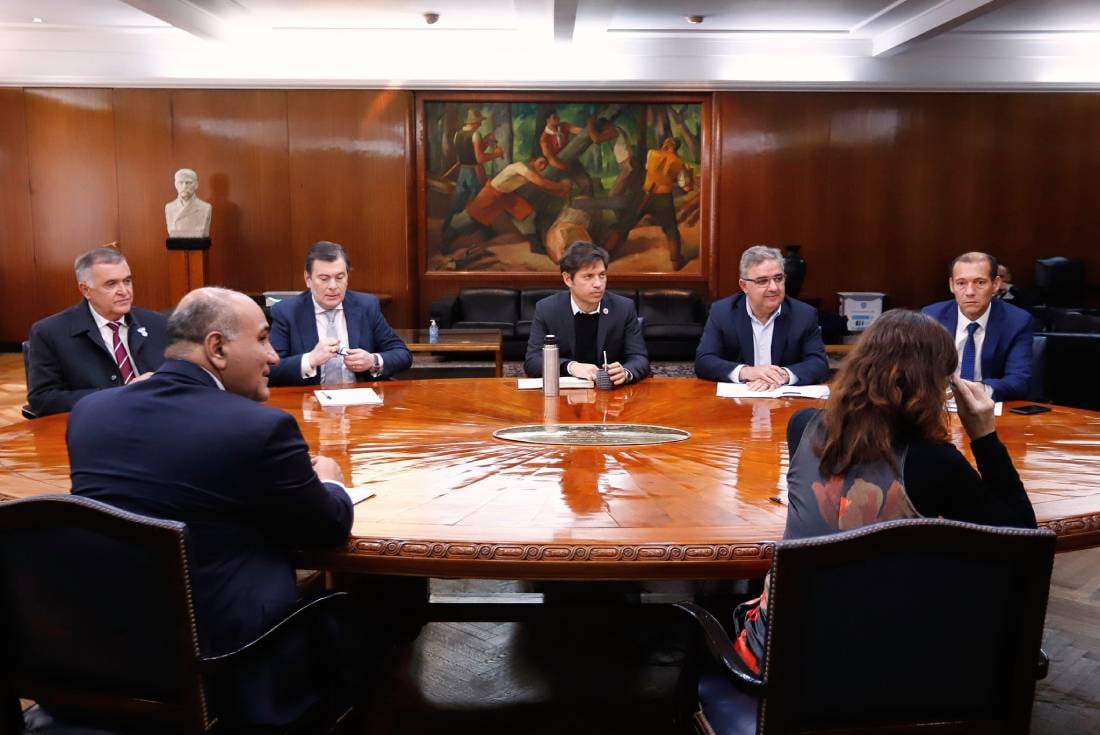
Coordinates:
763 281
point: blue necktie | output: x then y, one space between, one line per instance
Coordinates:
966 370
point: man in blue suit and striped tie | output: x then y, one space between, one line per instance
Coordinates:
993 338
331 335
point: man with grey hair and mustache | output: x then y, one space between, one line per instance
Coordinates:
102 342
194 443
761 337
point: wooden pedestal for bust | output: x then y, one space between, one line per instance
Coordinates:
187 265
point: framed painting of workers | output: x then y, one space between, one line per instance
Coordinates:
509 181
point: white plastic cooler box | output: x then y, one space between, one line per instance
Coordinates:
860 308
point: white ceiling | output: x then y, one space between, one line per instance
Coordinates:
534 44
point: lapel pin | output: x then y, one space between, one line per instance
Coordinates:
605 310
142 332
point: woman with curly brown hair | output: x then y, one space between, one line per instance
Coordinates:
881 450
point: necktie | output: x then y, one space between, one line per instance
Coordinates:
966 370
334 371
121 357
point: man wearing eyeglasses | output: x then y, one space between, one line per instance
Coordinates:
759 336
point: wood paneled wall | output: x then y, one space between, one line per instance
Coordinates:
84 167
880 189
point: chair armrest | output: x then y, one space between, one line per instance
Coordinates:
1042 666
443 311
719 645
292 622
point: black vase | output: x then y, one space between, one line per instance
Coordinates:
794 265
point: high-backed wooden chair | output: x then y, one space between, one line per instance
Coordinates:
98 627
922 625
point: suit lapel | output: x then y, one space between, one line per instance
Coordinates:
83 325
743 328
603 325
992 329
566 334
780 330
353 316
135 338
951 319
307 323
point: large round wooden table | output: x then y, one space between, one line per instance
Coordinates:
452 500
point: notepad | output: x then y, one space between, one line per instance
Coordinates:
563 382
359 494
348 397
741 390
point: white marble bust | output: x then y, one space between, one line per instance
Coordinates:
187 215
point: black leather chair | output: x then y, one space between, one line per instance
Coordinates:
1061 281
528 298
1037 386
921 625
1072 321
487 308
98 627
672 322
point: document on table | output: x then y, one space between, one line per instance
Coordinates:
741 390
359 494
348 397
563 382
952 407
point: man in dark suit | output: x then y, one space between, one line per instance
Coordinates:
759 336
102 342
588 322
331 335
194 443
993 337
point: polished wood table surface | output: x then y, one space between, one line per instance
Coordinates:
454 501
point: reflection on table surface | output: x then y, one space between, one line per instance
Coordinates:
453 501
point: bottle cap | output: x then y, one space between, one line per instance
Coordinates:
549 340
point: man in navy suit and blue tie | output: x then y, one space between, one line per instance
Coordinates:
330 335
761 337
993 338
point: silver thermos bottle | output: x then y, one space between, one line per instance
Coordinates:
550 366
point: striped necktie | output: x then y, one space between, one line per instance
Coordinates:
121 356
334 372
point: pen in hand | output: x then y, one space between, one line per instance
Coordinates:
605 359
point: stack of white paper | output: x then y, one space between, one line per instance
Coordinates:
348 397
741 390
563 382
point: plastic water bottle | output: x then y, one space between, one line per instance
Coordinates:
550 366
433 333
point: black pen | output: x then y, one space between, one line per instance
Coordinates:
776 499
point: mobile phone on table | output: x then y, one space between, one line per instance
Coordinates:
1030 409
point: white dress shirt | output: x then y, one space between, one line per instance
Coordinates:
341 323
107 334
762 344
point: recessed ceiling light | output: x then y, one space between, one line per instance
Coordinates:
694 19
431 18
37 20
